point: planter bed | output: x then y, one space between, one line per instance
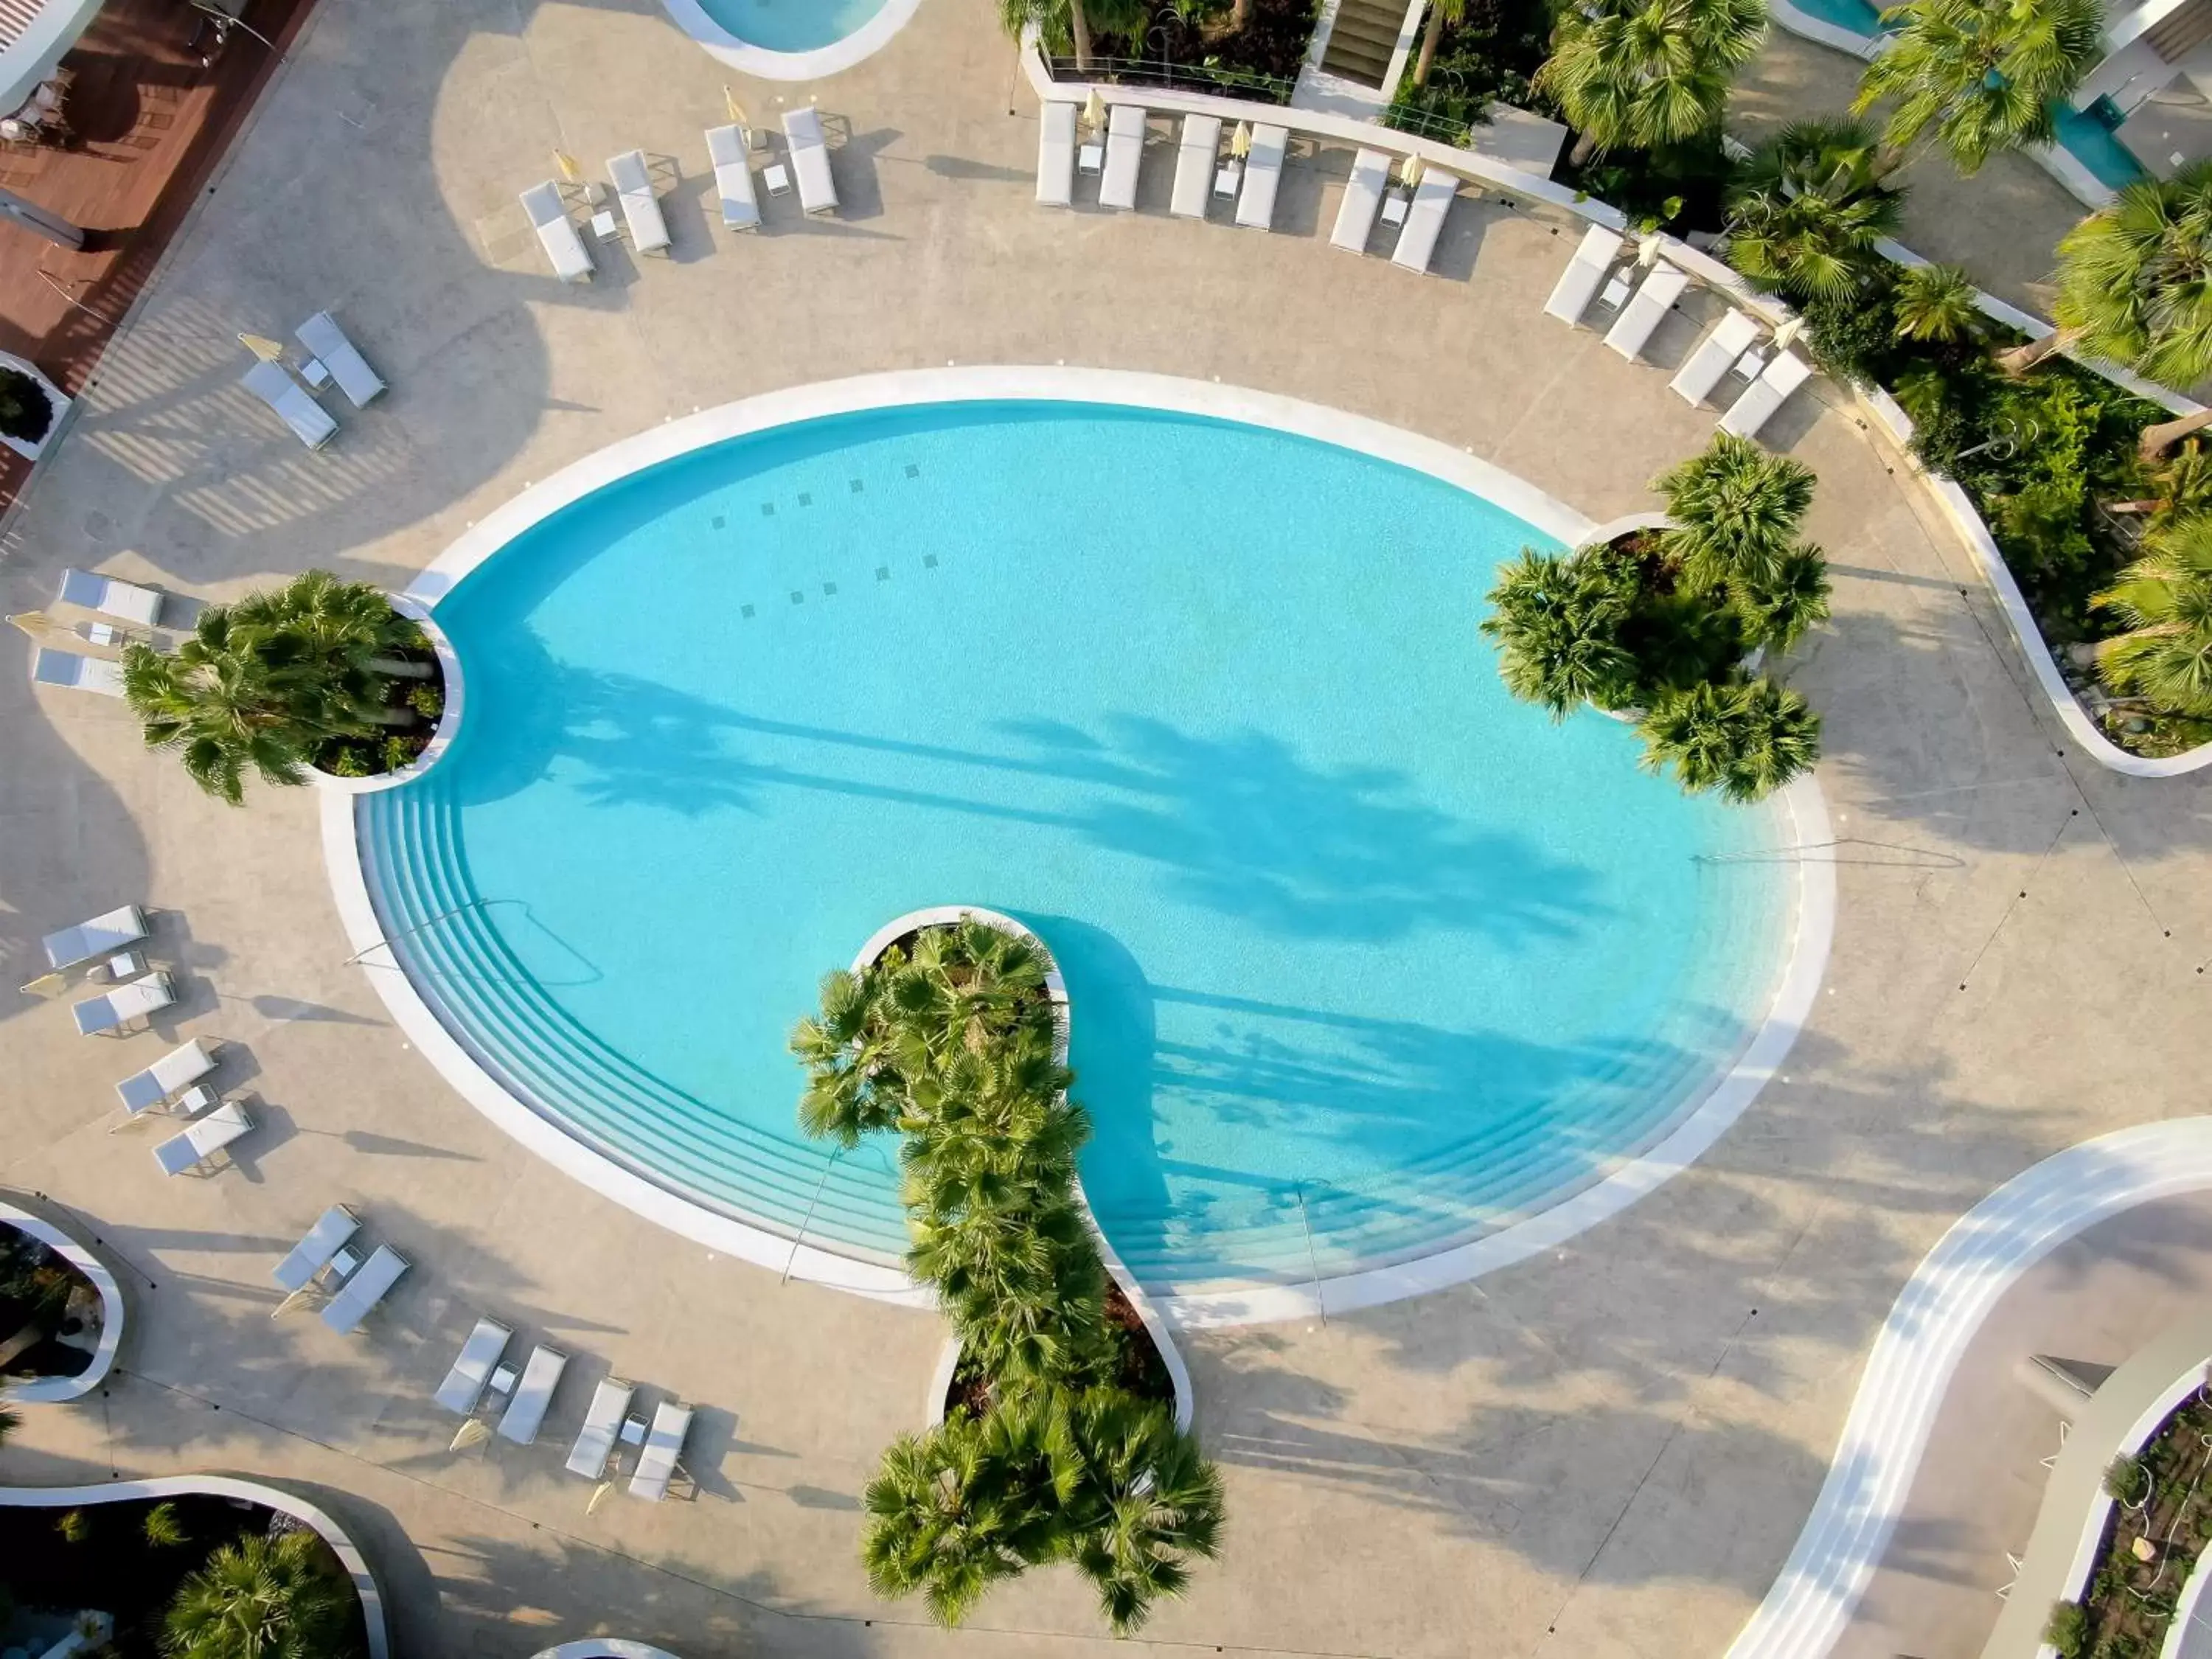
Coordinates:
370 757
2164 1507
1488 57
1141 1371
1260 61
51 1313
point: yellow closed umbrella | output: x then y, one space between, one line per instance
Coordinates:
1240 142
737 111
37 623
1412 171
569 170
268 351
1094 111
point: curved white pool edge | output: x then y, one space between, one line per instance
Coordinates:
1148 1313
1704 1124
749 59
1692 1135
48 1391
224 1486
605 1647
1934 1320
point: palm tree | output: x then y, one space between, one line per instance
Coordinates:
1982 75
1936 303
1736 509
853 1085
262 1598
1745 740
1441 12
1018 16
1631 74
1810 208
1778 611
1149 1502
1558 624
2135 284
9 1422
232 701
2164 598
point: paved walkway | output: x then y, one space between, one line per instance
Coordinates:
1604 1452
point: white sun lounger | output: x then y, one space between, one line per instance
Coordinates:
548 216
1263 173
315 1248
1195 158
810 160
1631 331
128 600
364 1290
125 1003
1125 150
75 671
1694 382
464 1384
183 1065
192 1147
310 422
1578 283
1363 195
1748 413
648 230
322 336
1424 221
1056 155
102 936
663 1446
601 1424
533 1394
733 177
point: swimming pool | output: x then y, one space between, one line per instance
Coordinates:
1367 961
791 40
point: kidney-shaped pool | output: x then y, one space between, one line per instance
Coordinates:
1366 960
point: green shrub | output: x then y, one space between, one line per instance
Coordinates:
399 753
2068 1630
426 700
2123 1480
73 1525
346 760
25 413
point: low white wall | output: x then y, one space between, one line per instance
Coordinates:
48 1390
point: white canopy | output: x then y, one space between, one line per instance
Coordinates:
33 36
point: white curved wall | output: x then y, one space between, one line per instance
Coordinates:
49 1389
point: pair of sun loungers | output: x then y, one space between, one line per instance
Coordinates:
1730 349
359 1285
172 1085
530 1396
109 597
110 935
327 345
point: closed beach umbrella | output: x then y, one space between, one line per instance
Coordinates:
1412 171
267 349
1240 142
1094 111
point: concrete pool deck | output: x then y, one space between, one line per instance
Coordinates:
1606 1450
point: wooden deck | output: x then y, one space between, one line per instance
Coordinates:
151 123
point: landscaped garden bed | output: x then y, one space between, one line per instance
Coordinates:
1489 55
1199 45
2160 1520
132 1559
51 1313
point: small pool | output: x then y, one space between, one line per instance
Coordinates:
1366 958
791 40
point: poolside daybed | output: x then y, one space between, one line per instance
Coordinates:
648 229
1654 297
1125 152
1195 159
1578 283
105 594
1056 155
557 234
1424 221
810 160
321 335
103 935
733 177
1263 173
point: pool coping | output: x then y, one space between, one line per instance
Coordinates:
1695 1130
769 65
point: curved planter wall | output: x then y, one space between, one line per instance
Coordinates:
223 1486
604 1647
1156 1327
449 721
48 1390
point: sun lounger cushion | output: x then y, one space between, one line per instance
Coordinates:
648 230
1750 412
103 935
1363 195
105 594
125 1003
1125 152
1263 172
201 1142
1654 297
464 1383
526 1411
1195 159
184 1064
663 1446
810 160
733 177
601 1424
310 422
77 671
1578 283
1056 155
321 335
1424 221
1702 370
364 1290
549 216
314 1250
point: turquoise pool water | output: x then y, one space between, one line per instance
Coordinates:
1364 957
791 25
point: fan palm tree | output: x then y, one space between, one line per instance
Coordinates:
1810 208
1148 1503
232 702
1745 740
1980 75
1441 12
1631 74
262 1598
2135 284
350 624
1936 303
1557 623
854 1085
1017 16
2164 598
9 1422
1778 611
1735 511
